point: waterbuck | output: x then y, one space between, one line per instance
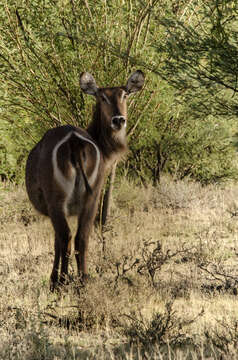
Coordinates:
65 171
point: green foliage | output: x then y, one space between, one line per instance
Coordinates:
46 45
202 57
195 134
14 146
182 122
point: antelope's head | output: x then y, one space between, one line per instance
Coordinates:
111 103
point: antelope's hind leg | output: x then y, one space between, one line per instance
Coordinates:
62 248
85 224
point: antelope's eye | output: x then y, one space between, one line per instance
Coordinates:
125 96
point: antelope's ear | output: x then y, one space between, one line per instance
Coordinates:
88 84
135 82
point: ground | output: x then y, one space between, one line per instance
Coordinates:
163 278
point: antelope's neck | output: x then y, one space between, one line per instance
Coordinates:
111 144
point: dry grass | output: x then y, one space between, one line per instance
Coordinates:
164 279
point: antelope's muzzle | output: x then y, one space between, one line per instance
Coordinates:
118 122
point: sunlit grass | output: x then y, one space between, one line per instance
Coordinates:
163 286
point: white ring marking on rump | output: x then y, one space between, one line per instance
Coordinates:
94 175
65 183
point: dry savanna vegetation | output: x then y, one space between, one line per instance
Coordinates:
163 278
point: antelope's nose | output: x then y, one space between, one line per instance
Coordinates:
118 121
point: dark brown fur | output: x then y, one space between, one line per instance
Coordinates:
58 176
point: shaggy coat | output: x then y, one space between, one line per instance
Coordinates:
65 171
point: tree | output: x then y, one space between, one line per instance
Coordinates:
45 45
199 59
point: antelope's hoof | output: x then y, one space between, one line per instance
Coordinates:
54 285
84 279
53 282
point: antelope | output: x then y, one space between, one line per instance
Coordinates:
65 170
